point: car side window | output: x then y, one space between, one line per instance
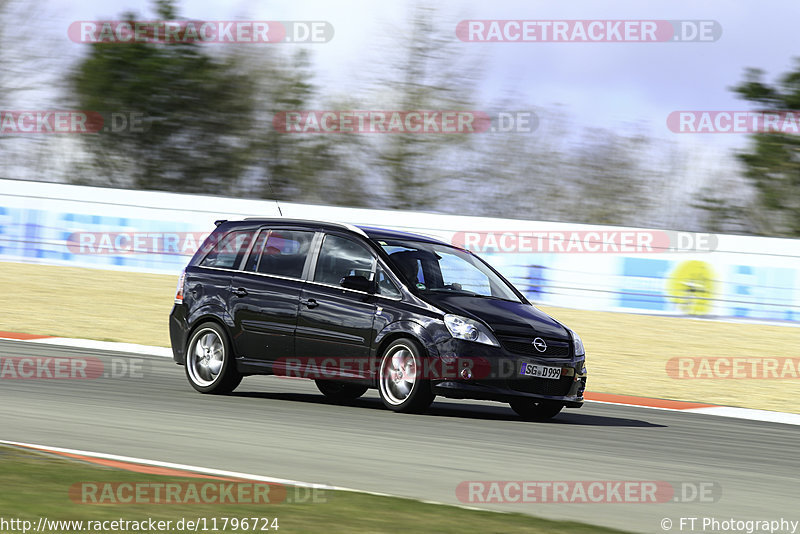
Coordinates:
281 252
340 257
407 264
227 252
255 253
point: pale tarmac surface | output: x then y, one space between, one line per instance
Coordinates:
285 428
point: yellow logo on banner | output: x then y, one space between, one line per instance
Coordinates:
692 286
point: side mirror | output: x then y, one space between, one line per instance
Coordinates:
358 283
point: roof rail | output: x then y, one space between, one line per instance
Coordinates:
347 226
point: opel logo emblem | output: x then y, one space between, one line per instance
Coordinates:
539 344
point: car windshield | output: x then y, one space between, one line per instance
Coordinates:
436 268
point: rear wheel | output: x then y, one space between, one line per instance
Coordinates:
401 382
340 391
536 410
209 361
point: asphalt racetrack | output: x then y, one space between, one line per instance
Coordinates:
284 428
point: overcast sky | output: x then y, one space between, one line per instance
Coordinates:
599 84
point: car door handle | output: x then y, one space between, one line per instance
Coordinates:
311 303
240 292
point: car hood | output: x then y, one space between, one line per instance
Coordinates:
503 316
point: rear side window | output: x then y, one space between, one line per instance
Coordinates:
340 257
281 252
227 252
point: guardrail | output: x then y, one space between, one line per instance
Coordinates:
561 264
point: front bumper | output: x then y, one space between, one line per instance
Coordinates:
494 374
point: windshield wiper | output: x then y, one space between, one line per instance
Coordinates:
446 290
470 293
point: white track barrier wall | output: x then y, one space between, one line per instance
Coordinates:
570 265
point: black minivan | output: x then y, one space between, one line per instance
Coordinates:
355 308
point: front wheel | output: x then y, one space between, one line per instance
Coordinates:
536 410
209 361
339 391
401 382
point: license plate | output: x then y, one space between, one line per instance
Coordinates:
540 371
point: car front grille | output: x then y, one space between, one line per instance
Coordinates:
524 346
542 386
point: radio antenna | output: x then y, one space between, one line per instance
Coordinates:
272 192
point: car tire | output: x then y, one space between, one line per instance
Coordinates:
210 367
340 391
536 410
400 382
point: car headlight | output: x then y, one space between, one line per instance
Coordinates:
463 328
577 342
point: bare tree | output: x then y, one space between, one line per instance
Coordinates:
30 74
